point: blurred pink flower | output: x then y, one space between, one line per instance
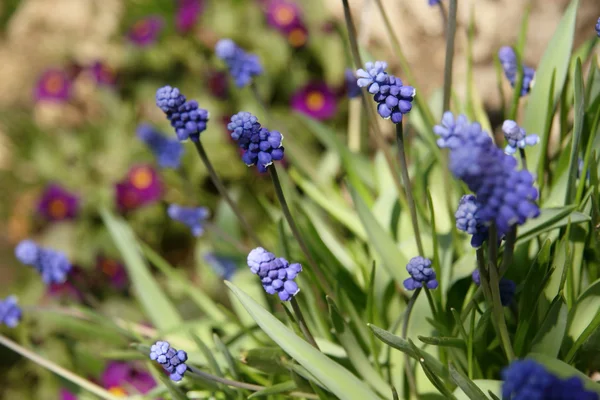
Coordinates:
141 186
316 100
113 270
124 378
188 12
282 14
103 74
58 204
145 31
53 85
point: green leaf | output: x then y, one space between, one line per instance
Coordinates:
467 385
556 58
443 341
564 370
282 387
579 118
174 390
552 331
586 308
157 306
486 385
550 219
336 378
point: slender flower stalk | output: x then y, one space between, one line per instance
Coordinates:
450 36
302 323
223 191
407 366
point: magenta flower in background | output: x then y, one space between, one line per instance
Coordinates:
282 14
145 31
122 379
57 204
141 186
68 290
297 36
103 74
317 100
53 85
113 270
188 12
66 395
216 82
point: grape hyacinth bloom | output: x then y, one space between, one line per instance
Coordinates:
187 15
225 267
598 27
242 66
450 130
315 100
145 31
193 217
352 89
507 288
243 126
168 152
169 99
173 361
528 380
392 97
140 187
434 2
124 378
468 221
508 60
264 148
53 85
57 204
276 274
516 137
51 264
188 119
420 271
10 312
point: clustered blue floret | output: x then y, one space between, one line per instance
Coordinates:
187 118
392 97
516 137
507 288
450 130
528 380
508 60
242 66
276 274
173 361
51 264
167 151
10 312
467 220
352 88
420 271
261 146
193 217
504 195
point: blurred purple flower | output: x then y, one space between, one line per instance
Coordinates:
420 271
297 36
434 2
225 267
188 12
113 270
144 32
167 151
516 137
193 217
508 59
598 27
242 65
53 85
467 220
282 14
104 75
52 265
316 100
126 378
10 312
58 204
216 82
352 88
66 395
141 186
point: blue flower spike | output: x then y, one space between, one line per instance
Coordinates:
516 137
467 220
173 361
52 265
421 273
242 66
186 117
10 312
276 274
167 151
508 60
193 217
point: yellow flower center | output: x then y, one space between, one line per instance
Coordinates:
141 178
118 391
109 267
57 208
297 37
284 14
54 83
315 101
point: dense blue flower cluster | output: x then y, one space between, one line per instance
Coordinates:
528 380
225 267
507 288
167 151
450 130
193 217
468 221
187 118
261 146
504 195
173 361
352 88
276 274
10 312
242 66
421 273
51 264
516 137
392 97
508 59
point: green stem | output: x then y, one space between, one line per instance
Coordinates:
470 346
302 323
242 385
223 191
288 216
450 37
431 302
407 313
523 159
57 369
407 187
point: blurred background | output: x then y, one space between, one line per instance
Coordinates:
78 77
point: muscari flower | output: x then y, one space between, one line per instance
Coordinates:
168 152
504 195
242 66
528 380
10 312
145 31
173 361
58 204
450 130
187 15
393 98
352 88
507 287
225 267
51 264
140 187
420 271
316 100
169 99
276 274
124 378
193 217
508 59
434 2
598 27
113 270
468 221
103 74
188 119
53 85
516 137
